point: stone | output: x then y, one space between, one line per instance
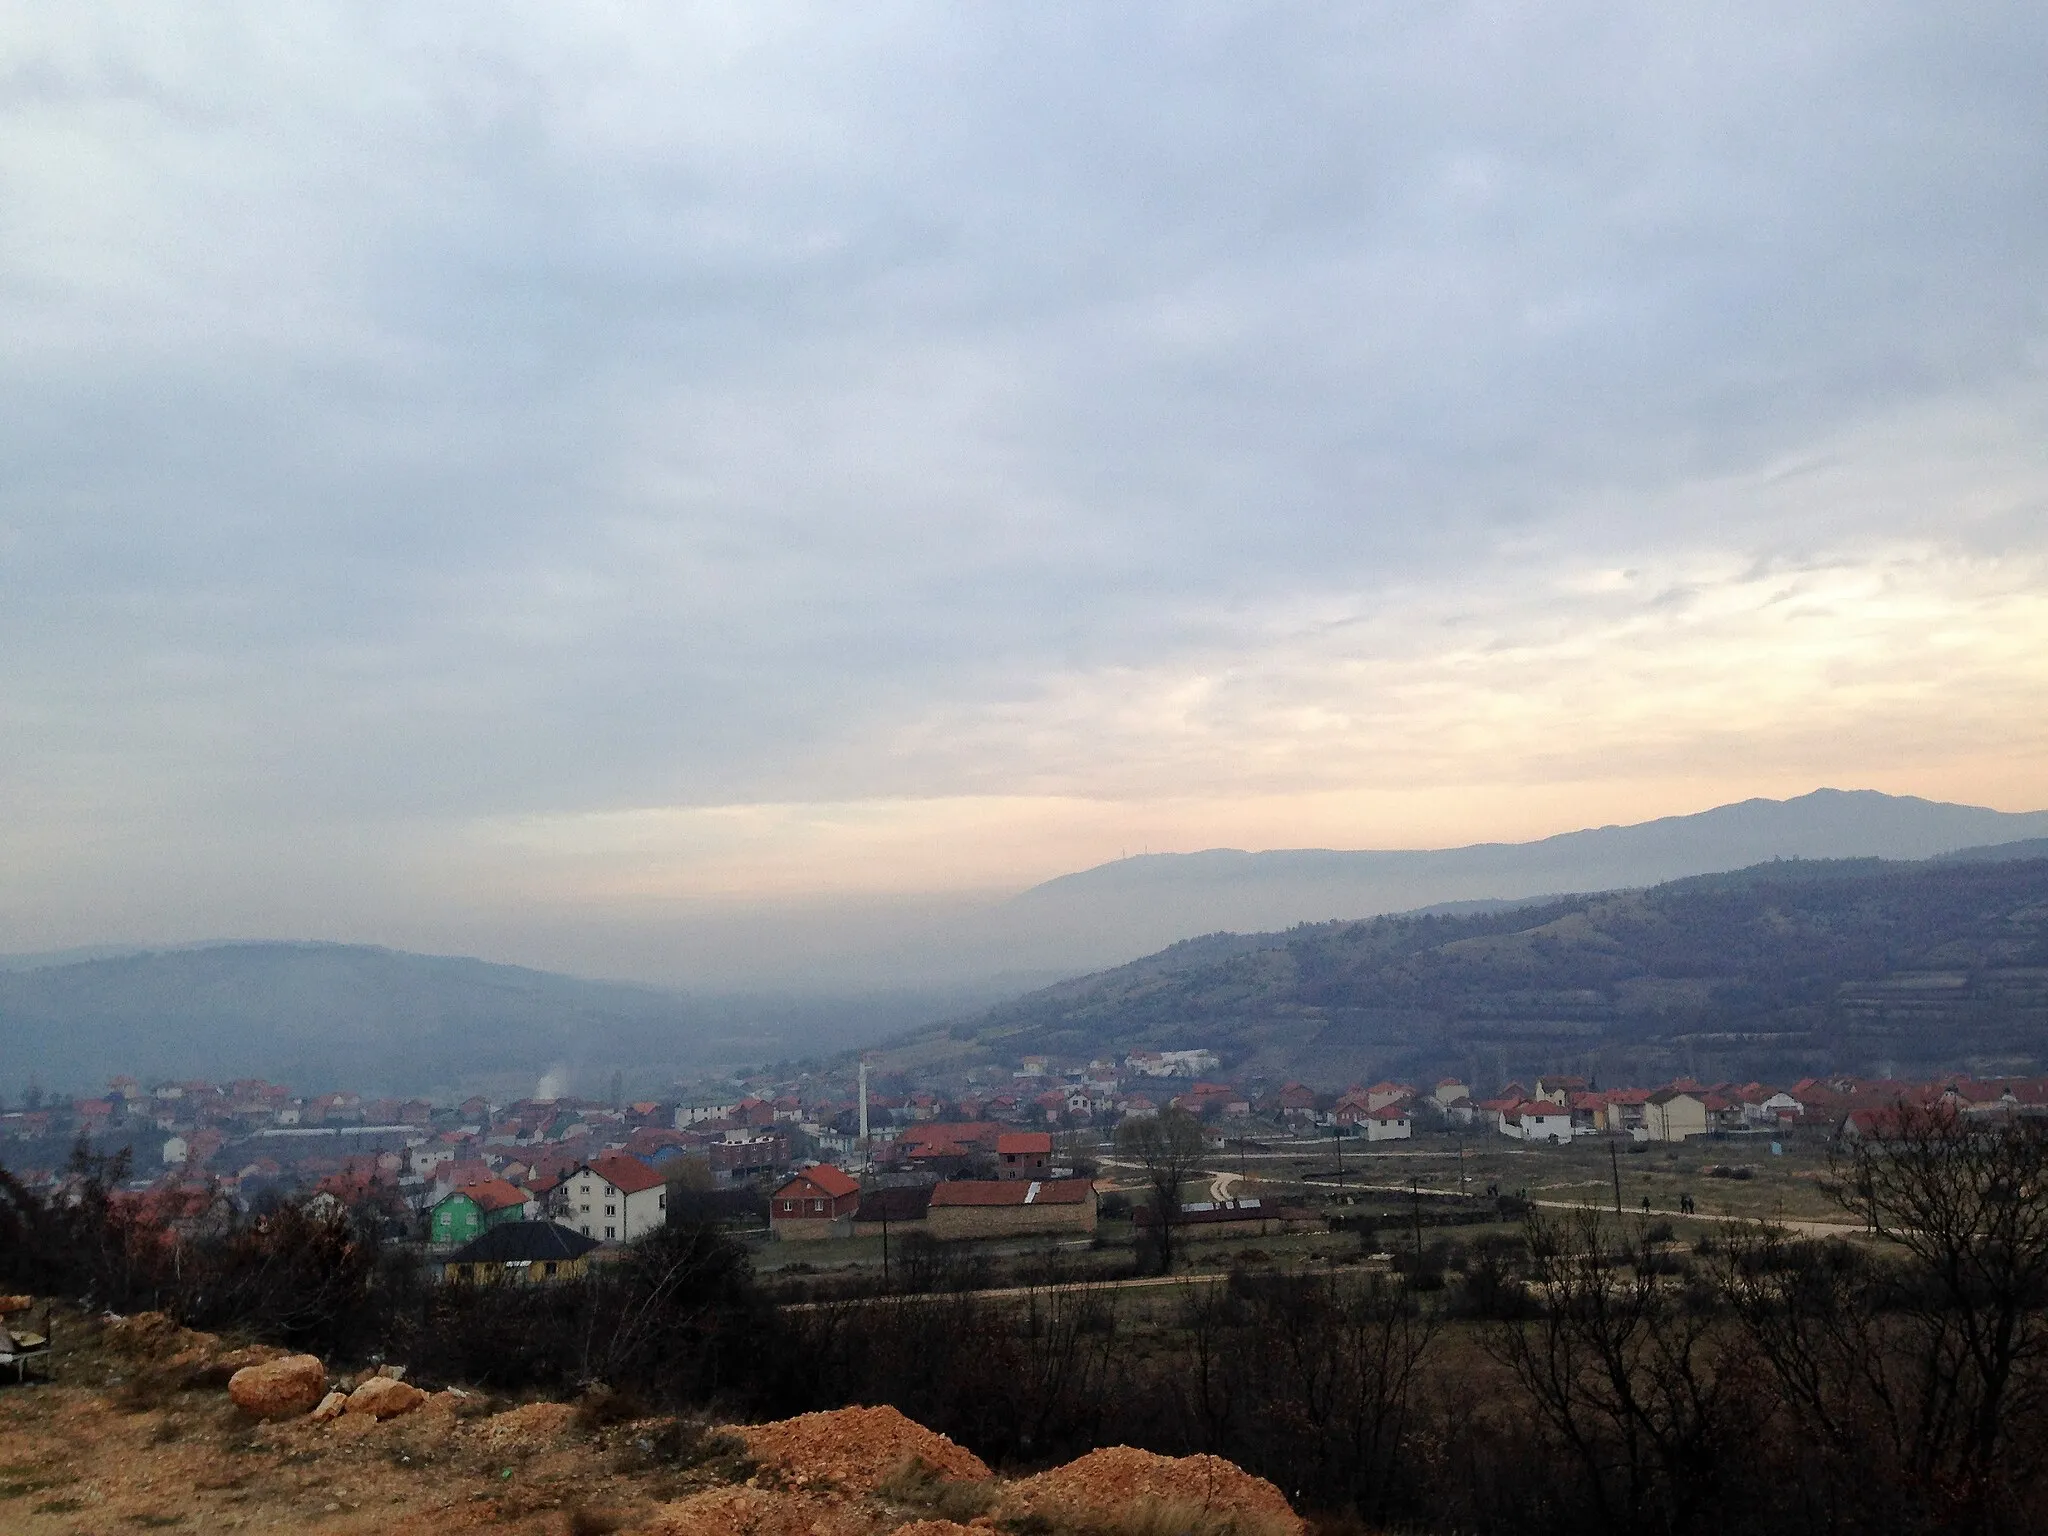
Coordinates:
383 1397
281 1389
332 1406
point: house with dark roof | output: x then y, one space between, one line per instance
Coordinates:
903 1206
520 1252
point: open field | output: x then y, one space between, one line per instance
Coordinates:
1379 1189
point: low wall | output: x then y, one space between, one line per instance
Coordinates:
954 1223
809 1229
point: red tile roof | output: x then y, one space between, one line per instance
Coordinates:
494 1194
1022 1143
948 1139
626 1173
823 1177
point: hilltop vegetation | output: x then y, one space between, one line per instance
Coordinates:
1776 971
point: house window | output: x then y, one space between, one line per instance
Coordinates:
817 1205
611 1210
583 1210
548 1270
611 1231
661 1202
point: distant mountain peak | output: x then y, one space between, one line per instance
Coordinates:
1137 905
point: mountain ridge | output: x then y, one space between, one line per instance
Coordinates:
1778 970
1146 902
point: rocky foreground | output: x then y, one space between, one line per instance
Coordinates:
156 1427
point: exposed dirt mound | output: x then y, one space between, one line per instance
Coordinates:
184 1356
1119 1481
752 1512
123 1439
532 1427
854 1450
153 1336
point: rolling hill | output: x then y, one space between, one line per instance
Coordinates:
1774 971
382 1020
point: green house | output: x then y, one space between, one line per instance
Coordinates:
463 1213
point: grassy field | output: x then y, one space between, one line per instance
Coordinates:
1381 1191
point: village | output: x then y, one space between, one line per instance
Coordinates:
829 1162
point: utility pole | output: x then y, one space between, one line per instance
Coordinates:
1614 1160
1415 1194
1339 1132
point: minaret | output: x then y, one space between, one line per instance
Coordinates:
863 1102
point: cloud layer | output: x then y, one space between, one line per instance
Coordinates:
522 457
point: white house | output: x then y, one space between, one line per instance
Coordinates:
425 1160
1171 1063
1388 1123
1779 1106
688 1115
1537 1120
614 1198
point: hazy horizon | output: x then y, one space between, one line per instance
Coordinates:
630 490
964 948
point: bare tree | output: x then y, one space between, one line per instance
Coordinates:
1170 1147
1966 1204
1622 1370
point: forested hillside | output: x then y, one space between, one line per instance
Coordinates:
1774 971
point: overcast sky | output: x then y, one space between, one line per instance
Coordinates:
481 470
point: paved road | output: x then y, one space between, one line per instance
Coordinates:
1800 1225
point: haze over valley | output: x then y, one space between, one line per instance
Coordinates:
392 1022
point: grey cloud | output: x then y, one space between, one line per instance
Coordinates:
483 411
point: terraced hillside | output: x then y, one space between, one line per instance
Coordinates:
1774 971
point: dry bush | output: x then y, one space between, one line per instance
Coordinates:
1160 1517
923 1487
600 1407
